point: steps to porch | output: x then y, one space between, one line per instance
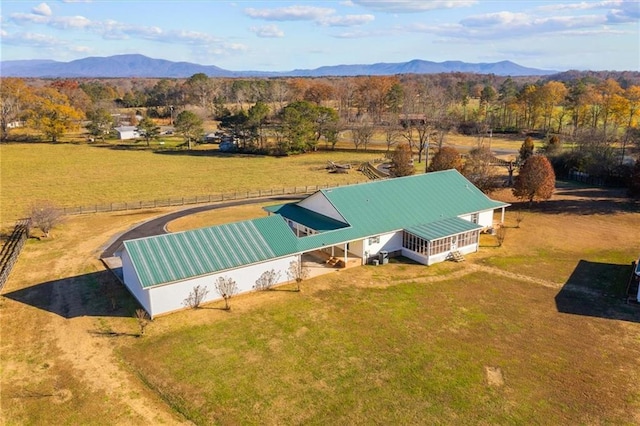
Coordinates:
455 256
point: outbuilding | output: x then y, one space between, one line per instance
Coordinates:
428 218
127 132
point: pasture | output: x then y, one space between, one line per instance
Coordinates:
71 175
535 331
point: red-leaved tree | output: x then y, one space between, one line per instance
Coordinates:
536 179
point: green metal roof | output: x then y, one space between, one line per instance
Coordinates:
306 217
173 257
369 209
443 228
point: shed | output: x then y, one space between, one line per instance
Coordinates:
127 132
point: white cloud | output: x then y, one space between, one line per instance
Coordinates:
68 22
320 15
407 6
42 9
345 21
28 39
114 30
267 31
291 13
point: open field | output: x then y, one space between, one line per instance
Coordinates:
534 332
82 175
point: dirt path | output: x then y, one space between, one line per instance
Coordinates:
94 356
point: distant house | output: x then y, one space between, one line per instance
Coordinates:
425 217
127 132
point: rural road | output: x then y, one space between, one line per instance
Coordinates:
158 225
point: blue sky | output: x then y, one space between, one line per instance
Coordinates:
285 35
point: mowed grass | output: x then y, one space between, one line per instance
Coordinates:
535 331
73 175
479 349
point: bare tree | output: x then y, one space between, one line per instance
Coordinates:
267 280
297 272
196 297
519 217
226 288
45 216
362 134
143 319
501 234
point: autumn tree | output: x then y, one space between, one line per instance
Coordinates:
446 158
148 129
554 145
526 149
402 161
226 287
478 169
53 115
189 125
535 180
14 95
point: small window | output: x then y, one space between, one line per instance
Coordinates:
475 217
374 240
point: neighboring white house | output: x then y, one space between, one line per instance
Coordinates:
424 217
127 132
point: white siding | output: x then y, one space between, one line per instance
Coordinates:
388 242
485 219
133 284
170 297
318 203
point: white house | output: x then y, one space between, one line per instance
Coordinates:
127 132
424 217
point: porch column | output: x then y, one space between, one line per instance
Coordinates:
502 217
345 255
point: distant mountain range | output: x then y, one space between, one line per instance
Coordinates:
120 66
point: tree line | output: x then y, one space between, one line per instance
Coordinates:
595 114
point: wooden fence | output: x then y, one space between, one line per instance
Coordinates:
11 249
203 199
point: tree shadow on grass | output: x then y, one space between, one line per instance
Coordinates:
598 290
91 294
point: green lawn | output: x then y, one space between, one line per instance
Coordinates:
406 353
79 175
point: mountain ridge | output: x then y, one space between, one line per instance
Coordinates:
137 65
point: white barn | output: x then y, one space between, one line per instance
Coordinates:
423 217
127 132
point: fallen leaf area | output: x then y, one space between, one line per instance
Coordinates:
537 330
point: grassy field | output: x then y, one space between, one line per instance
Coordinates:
72 175
535 331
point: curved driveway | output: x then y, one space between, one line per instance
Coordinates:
158 225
